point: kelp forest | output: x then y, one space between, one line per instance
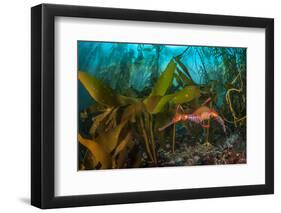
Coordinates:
158 105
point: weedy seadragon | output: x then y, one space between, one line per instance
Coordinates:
199 116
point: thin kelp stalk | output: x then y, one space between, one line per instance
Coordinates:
158 59
184 68
145 137
152 138
203 65
174 138
207 132
229 102
84 157
181 55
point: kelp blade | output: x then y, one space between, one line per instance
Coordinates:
98 90
156 104
110 139
97 121
97 150
186 94
165 80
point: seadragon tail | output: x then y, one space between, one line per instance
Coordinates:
221 122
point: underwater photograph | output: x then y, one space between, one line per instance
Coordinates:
160 105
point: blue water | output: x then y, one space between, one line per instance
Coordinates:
124 66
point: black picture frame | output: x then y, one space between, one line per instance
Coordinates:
43 117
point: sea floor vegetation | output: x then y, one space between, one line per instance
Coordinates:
160 105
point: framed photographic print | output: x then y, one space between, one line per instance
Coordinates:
140 106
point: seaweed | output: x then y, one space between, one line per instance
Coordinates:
128 128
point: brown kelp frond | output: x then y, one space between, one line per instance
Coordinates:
121 151
156 104
185 80
98 90
186 71
165 80
98 120
146 139
101 157
110 139
187 94
133 110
